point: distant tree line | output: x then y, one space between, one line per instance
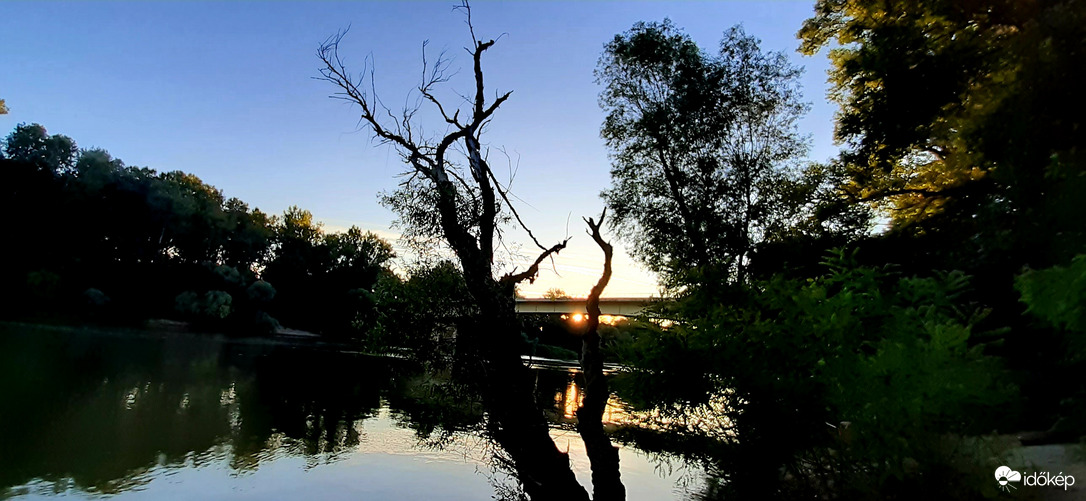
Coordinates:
94 238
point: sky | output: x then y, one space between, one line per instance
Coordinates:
226 91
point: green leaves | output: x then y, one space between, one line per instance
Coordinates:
1057 295
956 108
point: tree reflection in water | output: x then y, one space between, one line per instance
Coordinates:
100 413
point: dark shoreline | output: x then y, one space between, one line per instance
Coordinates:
163 329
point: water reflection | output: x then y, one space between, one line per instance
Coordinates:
570 396
98 412
104 414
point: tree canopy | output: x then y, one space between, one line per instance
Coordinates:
969 111
94 230
703 146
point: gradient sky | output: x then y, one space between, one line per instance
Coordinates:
224 91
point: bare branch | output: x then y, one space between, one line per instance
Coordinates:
335 72
464 6
512 209
608 250
473 240
533 270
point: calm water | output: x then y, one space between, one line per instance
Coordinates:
175 416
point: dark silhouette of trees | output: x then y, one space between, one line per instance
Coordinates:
704 148
326 279
98 235
555 293
451 192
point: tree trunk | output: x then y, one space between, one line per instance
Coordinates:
603 456
516 422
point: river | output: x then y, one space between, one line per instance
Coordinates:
87 414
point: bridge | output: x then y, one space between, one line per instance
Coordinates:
618 306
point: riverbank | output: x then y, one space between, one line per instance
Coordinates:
164 328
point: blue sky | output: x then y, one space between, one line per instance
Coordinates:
224 91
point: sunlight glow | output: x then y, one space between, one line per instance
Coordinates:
571 401
611 319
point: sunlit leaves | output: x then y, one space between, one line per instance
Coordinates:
949 100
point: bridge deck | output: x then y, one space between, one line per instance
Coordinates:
626 306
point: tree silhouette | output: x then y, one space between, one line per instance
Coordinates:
451 192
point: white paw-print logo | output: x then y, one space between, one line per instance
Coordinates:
1005 475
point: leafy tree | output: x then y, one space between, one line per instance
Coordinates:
421 313
142 238
33 145
33 163
3 107
962 117
963 122
197 225
555 293
701 146
250 235
357 260
325 281
212 306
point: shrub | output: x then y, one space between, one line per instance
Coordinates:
260 292
211 306
891 362
95 298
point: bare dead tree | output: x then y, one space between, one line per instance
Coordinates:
451 186
606 480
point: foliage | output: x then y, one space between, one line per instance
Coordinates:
210 306
325 280
963 110
260 292
892 358
31 144
555 293
95 298
705 148
962 124
43 284
422 312
1058 294
148 237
